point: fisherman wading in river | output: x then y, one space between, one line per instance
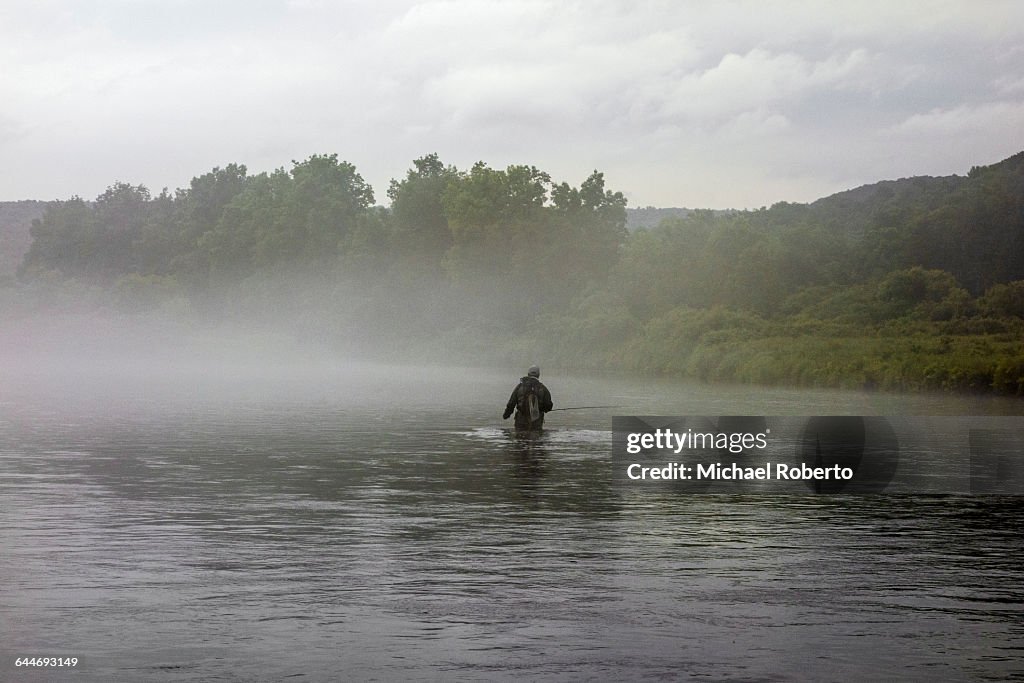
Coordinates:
530 400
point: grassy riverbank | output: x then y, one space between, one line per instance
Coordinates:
980 355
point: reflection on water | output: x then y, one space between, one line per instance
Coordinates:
377 526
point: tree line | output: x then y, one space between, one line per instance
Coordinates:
909 284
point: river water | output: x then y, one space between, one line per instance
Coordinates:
375 523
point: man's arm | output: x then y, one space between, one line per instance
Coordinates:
545 401
511 405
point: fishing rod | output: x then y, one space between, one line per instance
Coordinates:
583 408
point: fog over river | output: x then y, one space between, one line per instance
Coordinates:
333 521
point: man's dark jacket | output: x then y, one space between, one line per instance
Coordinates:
517 403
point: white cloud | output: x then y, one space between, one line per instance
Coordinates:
988 117
678 102
754 81
1007 85
755 124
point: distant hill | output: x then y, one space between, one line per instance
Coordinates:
15 221
651 216
852 211
971 226
885 203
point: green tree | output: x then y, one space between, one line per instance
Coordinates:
97 241
1004 300
496 219
536 253
417 209
289 220
592 222
924 293
62 240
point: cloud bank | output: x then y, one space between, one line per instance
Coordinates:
701 104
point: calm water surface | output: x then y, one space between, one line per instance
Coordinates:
380 523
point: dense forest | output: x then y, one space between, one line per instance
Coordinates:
911 284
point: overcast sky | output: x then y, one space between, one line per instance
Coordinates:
697 104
